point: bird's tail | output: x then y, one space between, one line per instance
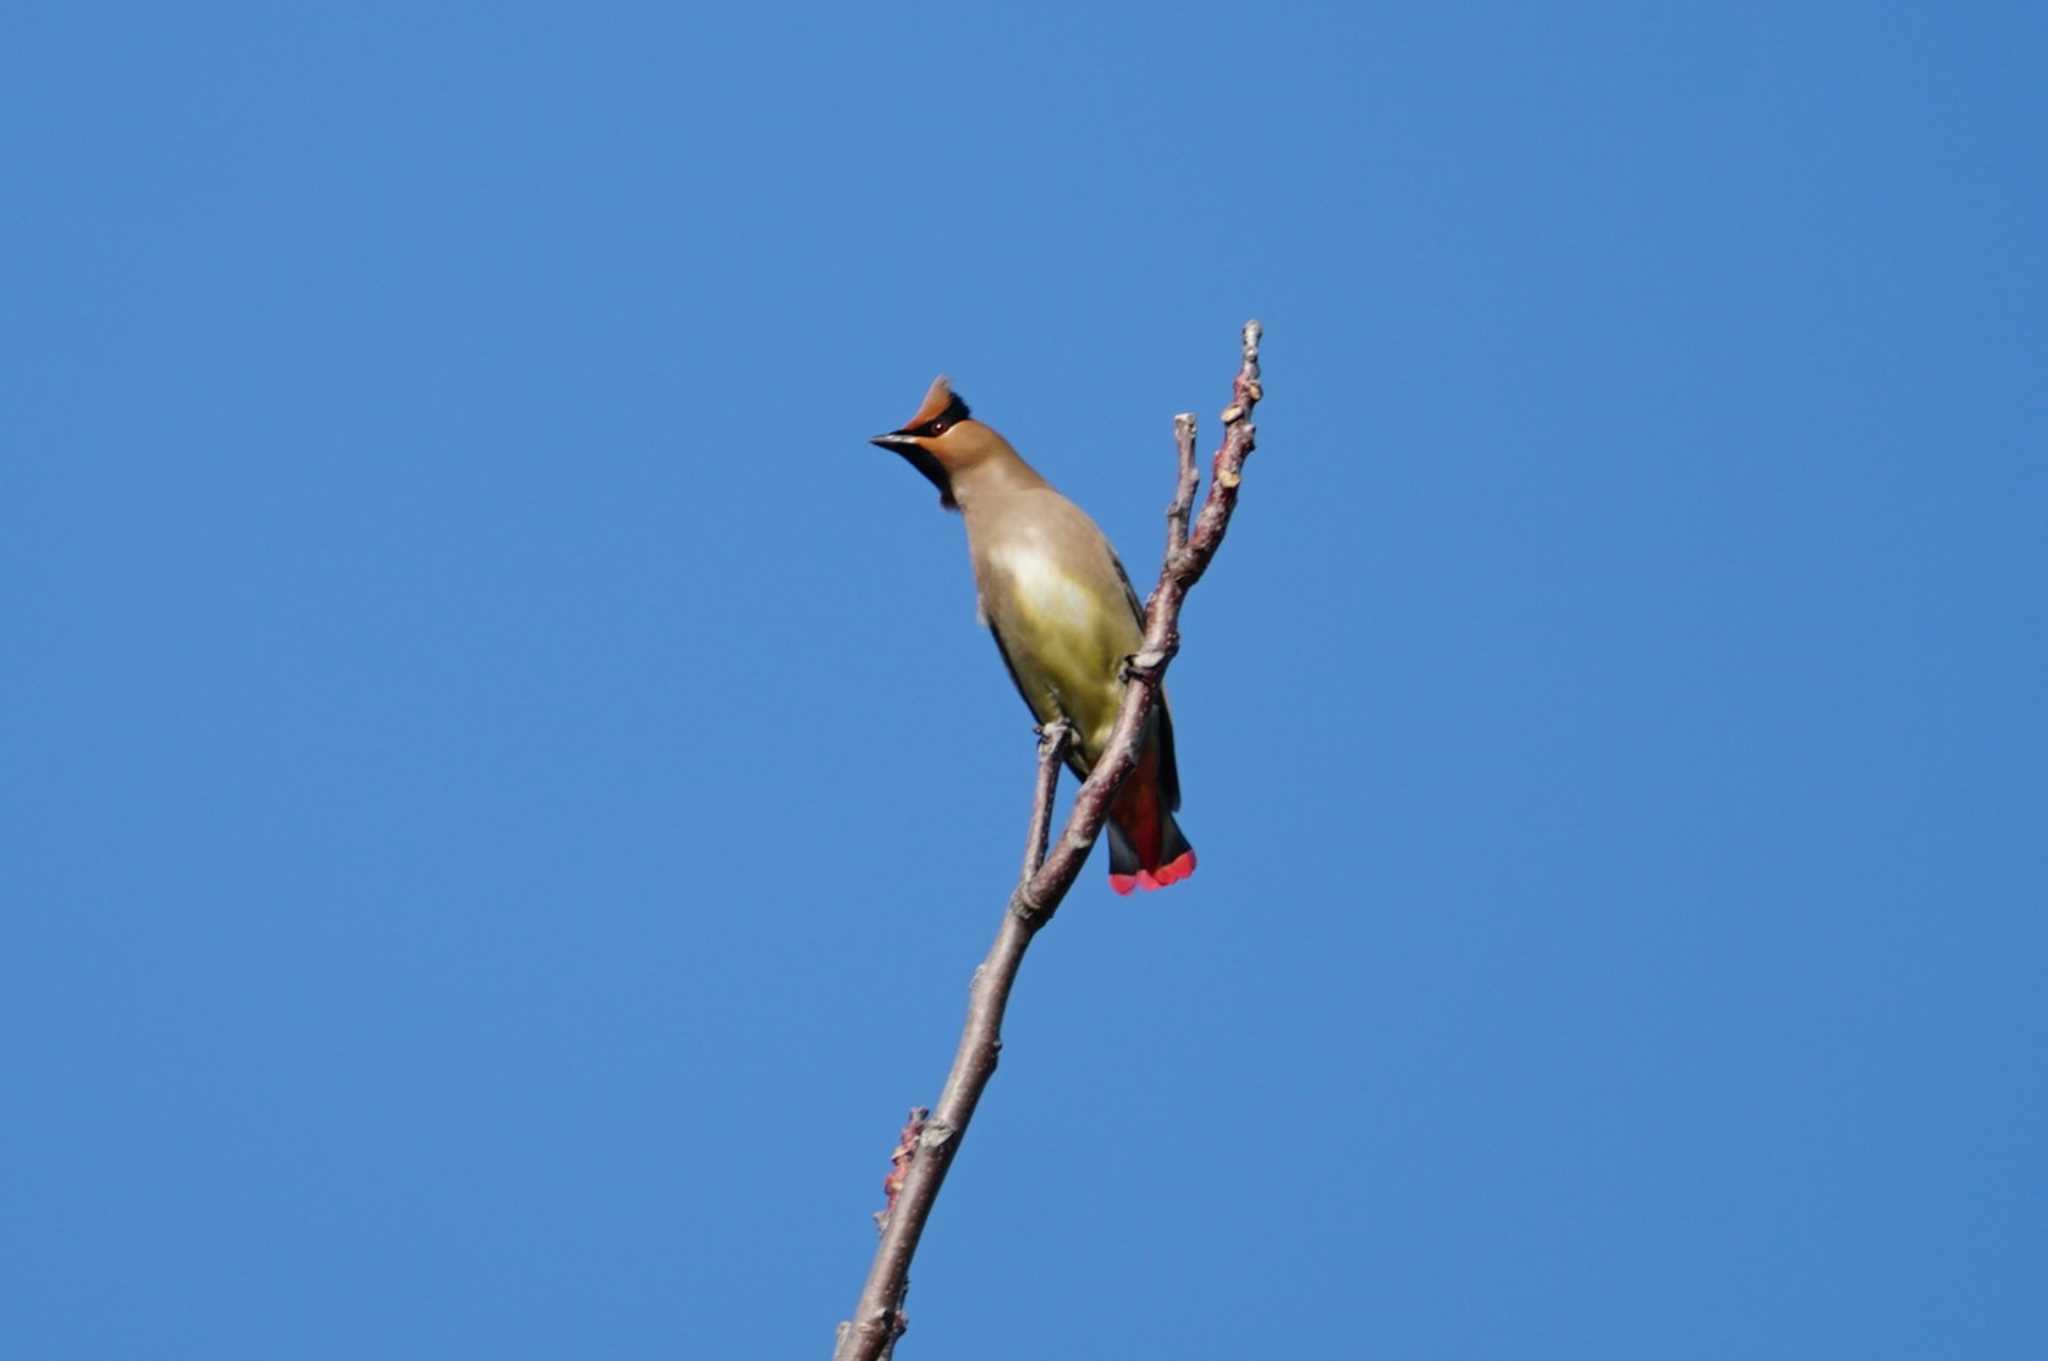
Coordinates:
1146 848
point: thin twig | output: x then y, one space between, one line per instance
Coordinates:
1052 749
1184 490
878 1320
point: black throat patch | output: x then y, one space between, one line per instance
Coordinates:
934 471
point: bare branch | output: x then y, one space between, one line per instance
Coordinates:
878 1318
1177 575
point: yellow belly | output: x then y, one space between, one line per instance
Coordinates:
1066 644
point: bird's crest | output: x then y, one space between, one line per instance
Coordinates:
940 403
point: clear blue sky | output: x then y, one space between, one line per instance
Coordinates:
504 789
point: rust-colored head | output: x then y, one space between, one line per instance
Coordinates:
940 439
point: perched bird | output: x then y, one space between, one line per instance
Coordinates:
1064 617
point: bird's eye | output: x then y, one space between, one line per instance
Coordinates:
941 427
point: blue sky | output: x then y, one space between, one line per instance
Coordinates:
505 790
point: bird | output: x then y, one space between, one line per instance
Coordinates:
1063 614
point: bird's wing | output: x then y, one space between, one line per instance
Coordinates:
1130 592
1169 772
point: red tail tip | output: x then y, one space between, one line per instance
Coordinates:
1172 872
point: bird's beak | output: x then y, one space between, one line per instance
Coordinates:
914 452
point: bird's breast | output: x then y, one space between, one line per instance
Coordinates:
1064 632
1050 600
